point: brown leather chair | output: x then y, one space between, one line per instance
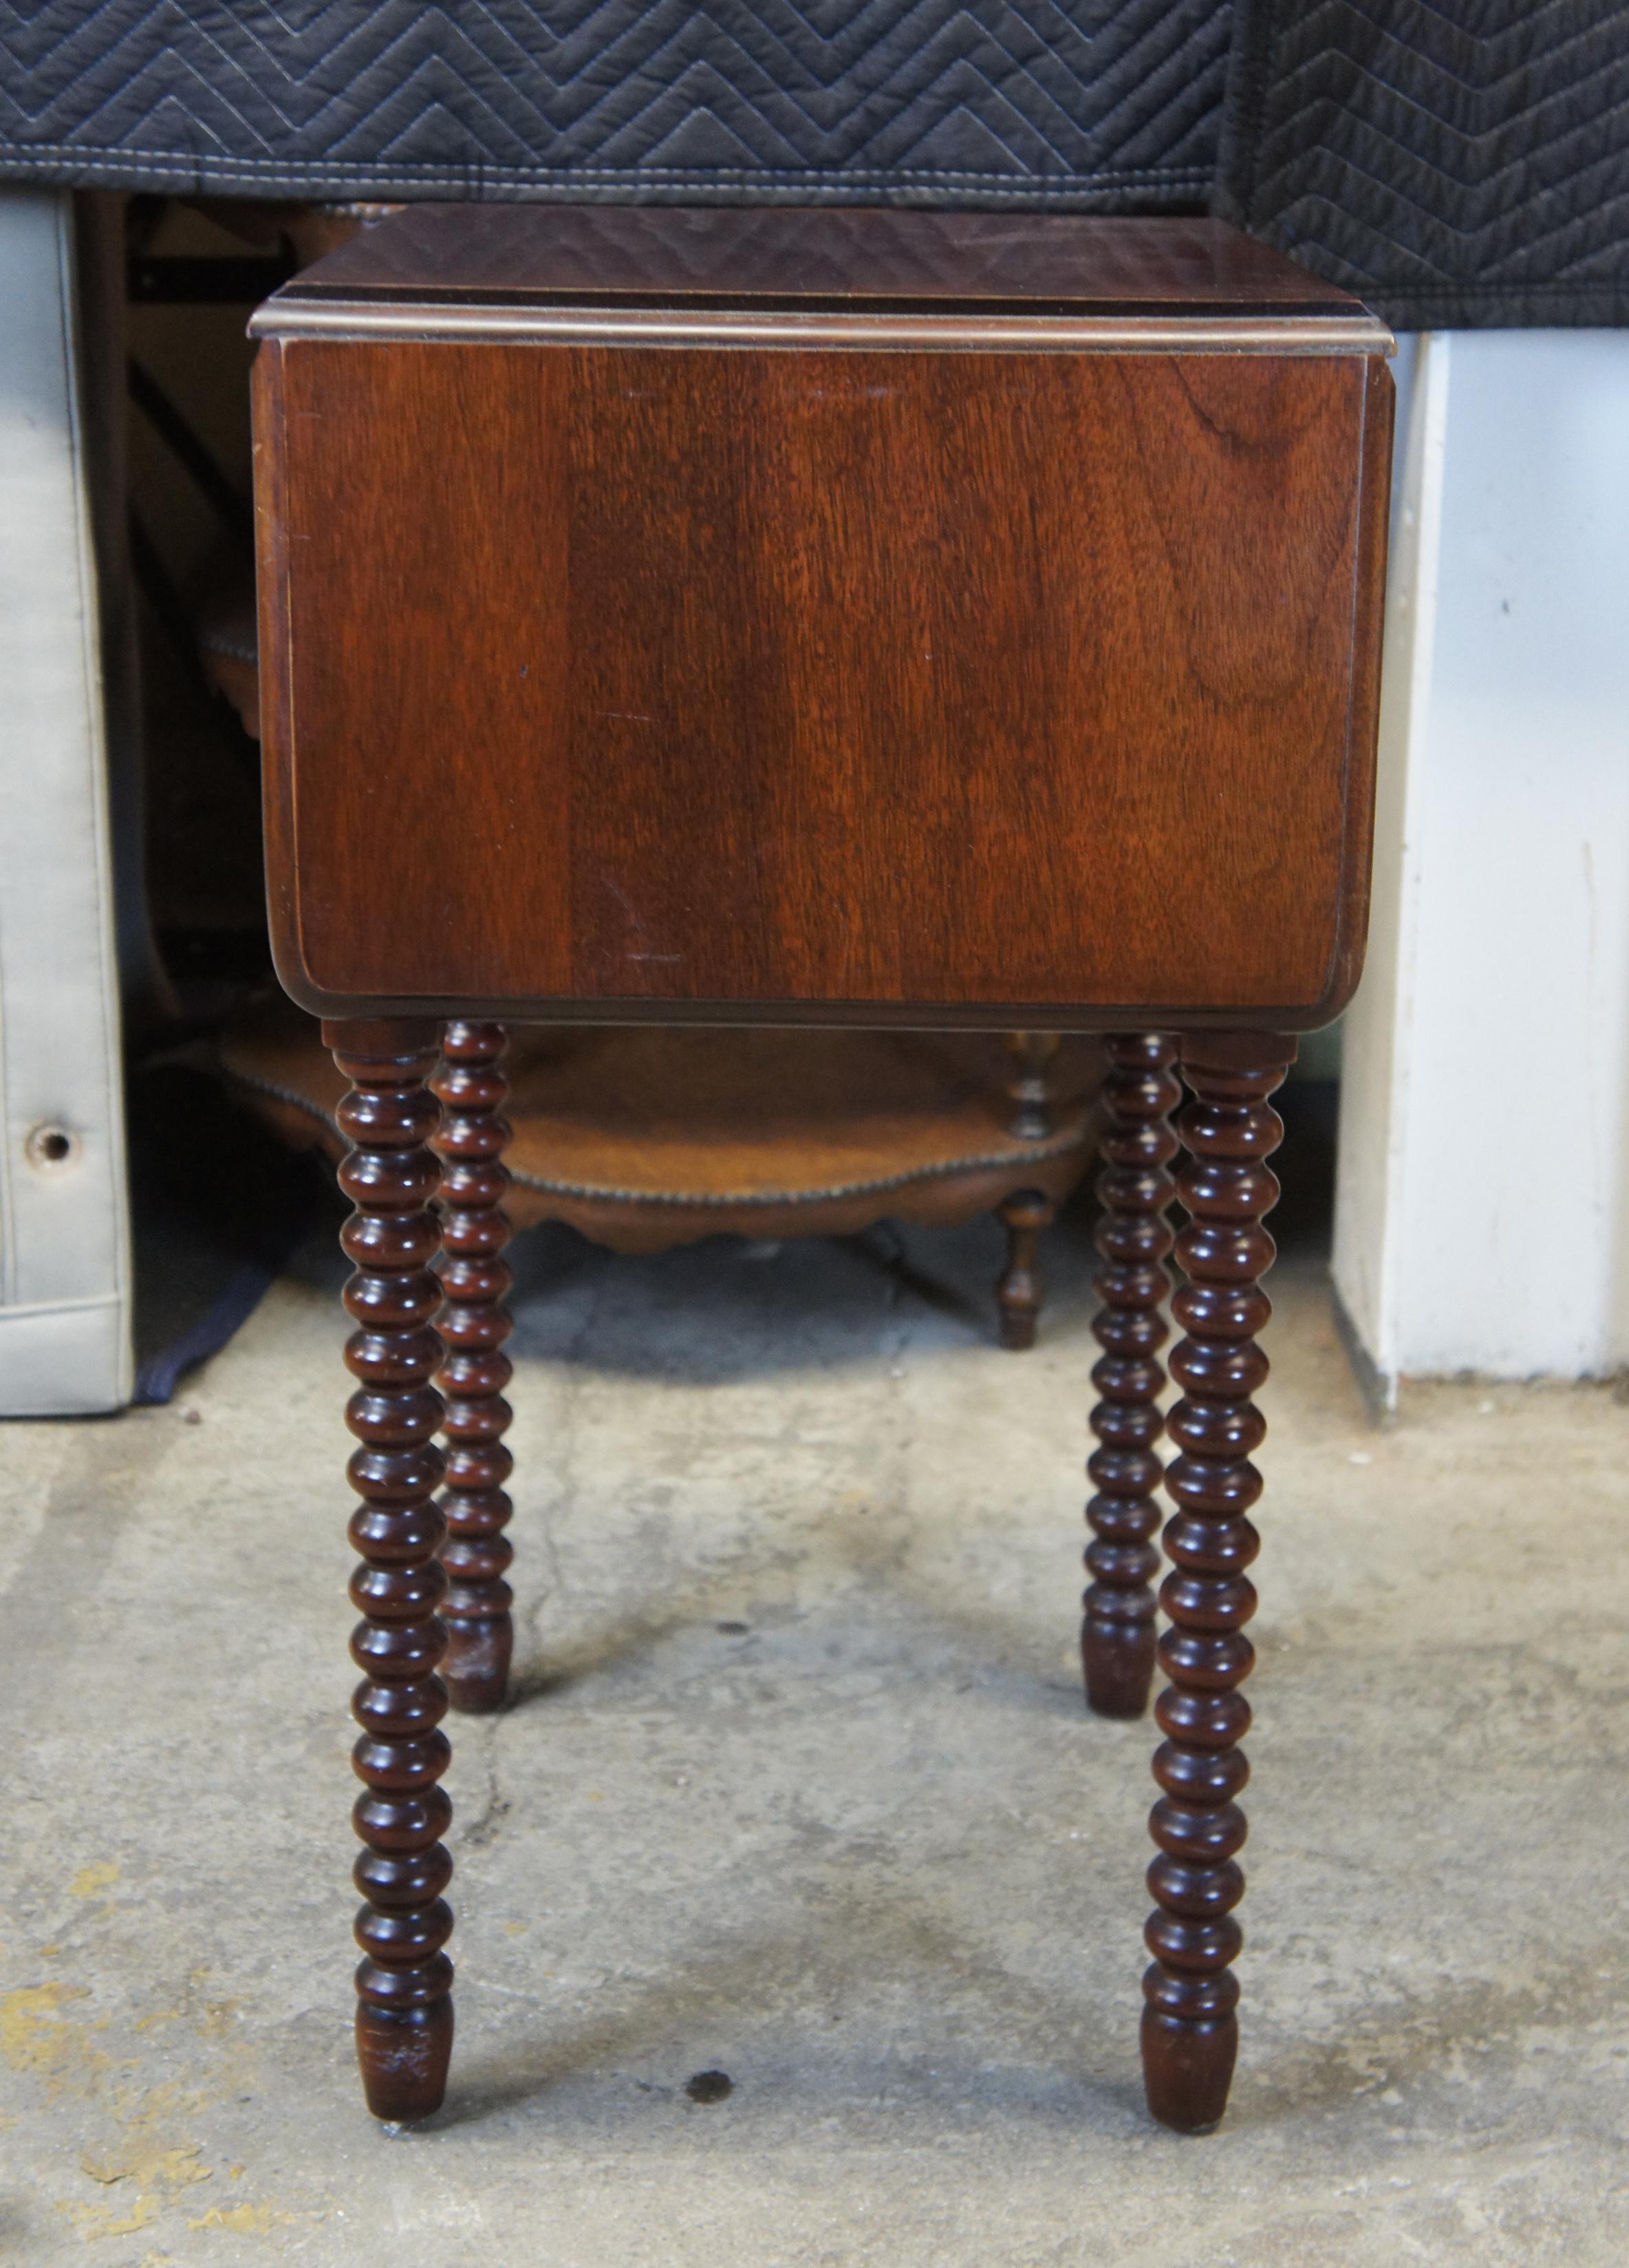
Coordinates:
645 1138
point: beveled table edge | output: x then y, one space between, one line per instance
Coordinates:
1081 1018
429 322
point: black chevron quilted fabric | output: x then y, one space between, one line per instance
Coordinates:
1103 104
1455 163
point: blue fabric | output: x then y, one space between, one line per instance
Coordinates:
159 1374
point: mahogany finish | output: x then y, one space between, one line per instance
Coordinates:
895 619
1189 2033
818 257
473 1324
404 2013
713 674
1134 1237
1018 1287
1029 1087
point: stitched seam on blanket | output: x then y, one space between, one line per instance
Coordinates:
103 156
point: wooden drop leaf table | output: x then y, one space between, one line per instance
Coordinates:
794 618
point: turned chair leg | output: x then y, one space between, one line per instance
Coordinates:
1018 1287
1029 1084
473 1325
404 2014
1190 2032
1134 1237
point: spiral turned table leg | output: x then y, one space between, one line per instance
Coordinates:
404 2016
1134 1237
474 1323
1190 2032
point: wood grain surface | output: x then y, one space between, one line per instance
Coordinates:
830 255
828 686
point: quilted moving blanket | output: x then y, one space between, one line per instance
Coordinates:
1453 161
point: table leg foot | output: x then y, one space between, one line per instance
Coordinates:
404 2056
1134 1237
1187 2067
1190 2035
474 1324
404 2024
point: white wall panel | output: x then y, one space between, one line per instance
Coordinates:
1483 1207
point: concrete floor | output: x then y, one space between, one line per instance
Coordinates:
799 1787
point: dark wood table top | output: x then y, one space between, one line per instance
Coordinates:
839 616
816 257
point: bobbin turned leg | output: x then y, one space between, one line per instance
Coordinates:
404 2016
1189 2033
473 1325
1018 1287
1134 1237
